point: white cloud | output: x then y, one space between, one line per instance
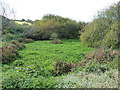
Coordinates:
82 10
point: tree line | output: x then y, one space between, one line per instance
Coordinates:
102 31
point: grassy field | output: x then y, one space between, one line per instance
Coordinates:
36 65
22 22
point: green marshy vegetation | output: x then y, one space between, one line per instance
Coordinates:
57 52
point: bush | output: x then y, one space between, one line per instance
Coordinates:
111 38
17 45
62 67
103 30
102 55
9 53
95 32
64 27
56 41
26 40
13 30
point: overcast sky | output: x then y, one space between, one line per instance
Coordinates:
80 10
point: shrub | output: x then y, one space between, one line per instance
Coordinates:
111 38
26 40
103 30
95 32
17 45
9 53
62 67
55 39
102 55
64 27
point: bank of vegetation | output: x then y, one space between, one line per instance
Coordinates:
58 52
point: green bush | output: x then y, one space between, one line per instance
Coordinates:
103 30
55 39
95 32
111 39
64 27
14 31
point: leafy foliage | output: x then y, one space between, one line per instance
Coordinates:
103 30
55 39
13 31
63 27
46 65
95 32
111 39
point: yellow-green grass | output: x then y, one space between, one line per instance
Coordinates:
23 22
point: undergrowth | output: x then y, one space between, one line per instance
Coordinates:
46 65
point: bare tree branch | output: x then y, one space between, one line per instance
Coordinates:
6 10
